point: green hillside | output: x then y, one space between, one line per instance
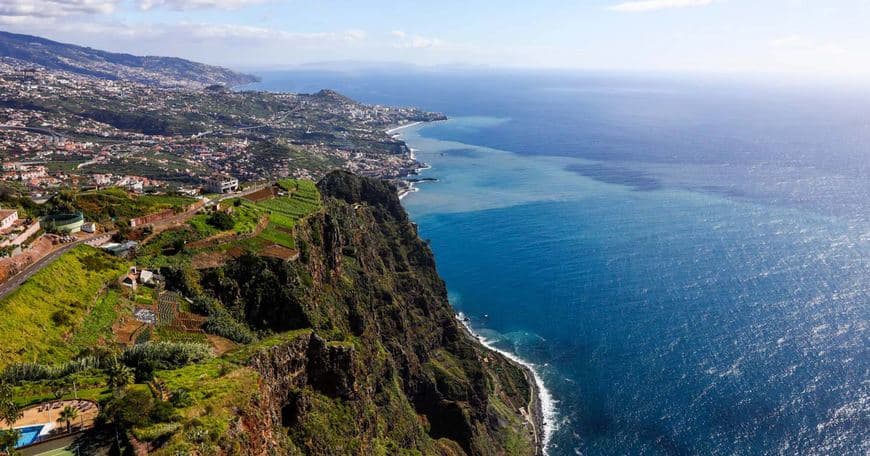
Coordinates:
59 311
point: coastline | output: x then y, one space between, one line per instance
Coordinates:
393 130
540 411
404 185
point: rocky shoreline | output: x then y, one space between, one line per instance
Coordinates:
534 410
406 179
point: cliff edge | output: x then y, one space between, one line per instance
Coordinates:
368 357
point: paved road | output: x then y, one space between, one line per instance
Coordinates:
15 281
42 131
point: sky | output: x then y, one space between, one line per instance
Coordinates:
816 37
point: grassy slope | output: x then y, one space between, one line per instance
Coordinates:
110 203
219 389
63 291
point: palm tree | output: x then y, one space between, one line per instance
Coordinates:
67 415
10 412
58 388
119 375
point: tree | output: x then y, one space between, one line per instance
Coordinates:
67 415
8 440
119 375
221 221
10 412
129 409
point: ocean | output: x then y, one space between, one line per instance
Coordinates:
685 261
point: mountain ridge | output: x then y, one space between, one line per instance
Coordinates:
155 70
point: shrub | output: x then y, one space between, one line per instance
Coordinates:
156 431
181 398
184 280
220 321
162 412
166 355
221 221
226 326
131 408
61 318
21 372
144 371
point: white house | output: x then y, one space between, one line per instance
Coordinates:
221 184
8 217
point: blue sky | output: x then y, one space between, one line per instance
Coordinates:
816 37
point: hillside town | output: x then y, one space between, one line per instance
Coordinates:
65 130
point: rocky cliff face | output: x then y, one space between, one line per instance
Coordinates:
385 368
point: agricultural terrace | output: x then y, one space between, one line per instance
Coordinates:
262 223
285 212
113 203
179 387
62 309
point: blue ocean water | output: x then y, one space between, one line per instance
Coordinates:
686 262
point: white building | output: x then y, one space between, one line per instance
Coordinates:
221 184
8 217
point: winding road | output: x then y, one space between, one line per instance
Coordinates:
15 281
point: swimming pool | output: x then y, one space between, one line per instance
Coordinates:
28 435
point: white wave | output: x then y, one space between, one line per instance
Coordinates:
548 404
402 127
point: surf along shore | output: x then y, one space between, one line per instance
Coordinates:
540 412
407 184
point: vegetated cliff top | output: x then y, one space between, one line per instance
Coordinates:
351 348
163 71
366 356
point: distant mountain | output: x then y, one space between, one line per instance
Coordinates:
164 71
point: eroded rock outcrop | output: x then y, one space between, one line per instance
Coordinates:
385 367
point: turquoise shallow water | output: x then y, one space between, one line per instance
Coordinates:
686 263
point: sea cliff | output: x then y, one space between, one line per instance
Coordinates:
370 358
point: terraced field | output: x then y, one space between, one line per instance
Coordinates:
284 212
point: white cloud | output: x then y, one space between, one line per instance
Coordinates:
787 41
227 44
355 35
184 5
221 32
406 41
643 6
54 8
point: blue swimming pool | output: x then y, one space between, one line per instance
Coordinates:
28 435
